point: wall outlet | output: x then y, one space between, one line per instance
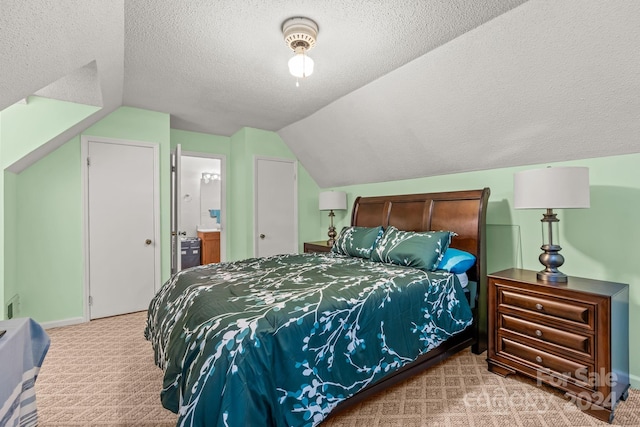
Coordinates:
13 307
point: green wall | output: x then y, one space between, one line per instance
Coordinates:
246 144
10 238
41 213
201 142
309 217
240 150
599 242
44 208
18 137
49 236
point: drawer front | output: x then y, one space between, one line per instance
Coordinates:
572 342
580 314
578 373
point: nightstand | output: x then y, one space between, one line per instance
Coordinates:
573 336
320 246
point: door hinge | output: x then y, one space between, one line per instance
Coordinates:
88 162
90 300
173 168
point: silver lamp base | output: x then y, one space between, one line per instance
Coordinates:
546 276
551 259
332 230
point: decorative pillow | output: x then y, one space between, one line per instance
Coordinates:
456 261
357 241
421 250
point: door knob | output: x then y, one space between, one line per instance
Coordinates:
182 233
262 236
147 242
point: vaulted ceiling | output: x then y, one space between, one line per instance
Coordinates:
401 89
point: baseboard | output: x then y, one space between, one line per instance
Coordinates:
635 381
64 322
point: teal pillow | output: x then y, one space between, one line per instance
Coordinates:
456 261
421 250
357 241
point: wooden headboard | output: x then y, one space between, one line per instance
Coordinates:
463 212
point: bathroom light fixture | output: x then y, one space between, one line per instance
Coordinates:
209 176
300 35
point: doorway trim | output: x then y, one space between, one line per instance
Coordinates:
84 152
223 196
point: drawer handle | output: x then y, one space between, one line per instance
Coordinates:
538 359
539 306
538 332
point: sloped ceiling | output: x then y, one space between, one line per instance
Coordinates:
49 44
548 81
219 66
401 89
81 86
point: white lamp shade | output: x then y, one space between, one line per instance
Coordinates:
300 65
551 188
333 200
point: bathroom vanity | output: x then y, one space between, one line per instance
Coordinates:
210 250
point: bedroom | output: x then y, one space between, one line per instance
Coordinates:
41 205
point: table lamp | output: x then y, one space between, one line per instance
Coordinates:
330 201
551 188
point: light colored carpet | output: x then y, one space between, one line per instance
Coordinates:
102 374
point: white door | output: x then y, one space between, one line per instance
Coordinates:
276 206
176 199
122 226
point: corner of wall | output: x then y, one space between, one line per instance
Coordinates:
9 238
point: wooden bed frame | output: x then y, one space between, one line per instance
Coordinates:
463 212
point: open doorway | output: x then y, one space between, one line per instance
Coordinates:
202 210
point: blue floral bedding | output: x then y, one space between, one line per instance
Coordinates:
280 341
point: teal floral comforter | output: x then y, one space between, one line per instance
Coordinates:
280 341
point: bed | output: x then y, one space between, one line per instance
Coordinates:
292 339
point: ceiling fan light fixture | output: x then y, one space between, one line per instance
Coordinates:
300 35
300 65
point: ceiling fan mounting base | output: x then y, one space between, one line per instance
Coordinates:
300 32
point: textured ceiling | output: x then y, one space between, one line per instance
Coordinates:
48 44
81 86
401 89
548 81
219 66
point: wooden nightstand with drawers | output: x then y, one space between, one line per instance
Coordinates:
320 246
573 336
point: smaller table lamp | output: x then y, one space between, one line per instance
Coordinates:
330 201
551 188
